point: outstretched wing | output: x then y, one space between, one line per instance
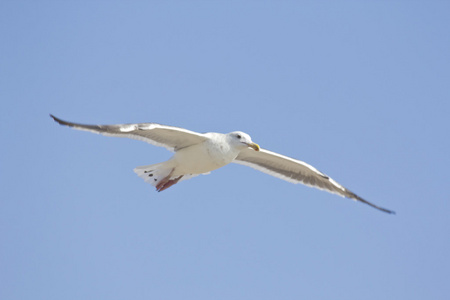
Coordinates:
295 171
170 137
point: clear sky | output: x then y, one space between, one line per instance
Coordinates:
358 89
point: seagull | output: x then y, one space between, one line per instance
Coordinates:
200 153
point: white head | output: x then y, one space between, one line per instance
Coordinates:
242 140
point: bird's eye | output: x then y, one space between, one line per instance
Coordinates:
238 136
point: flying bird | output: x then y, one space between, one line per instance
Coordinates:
200 153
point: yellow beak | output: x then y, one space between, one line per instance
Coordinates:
254 146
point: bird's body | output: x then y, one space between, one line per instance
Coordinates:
202 158
201 153
207 156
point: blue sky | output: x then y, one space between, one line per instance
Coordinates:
360 90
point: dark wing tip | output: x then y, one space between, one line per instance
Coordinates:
358 198
59 121
74 125
379 207
386 210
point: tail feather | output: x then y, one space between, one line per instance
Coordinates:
153 173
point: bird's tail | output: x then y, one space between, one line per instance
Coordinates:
157 173
153 174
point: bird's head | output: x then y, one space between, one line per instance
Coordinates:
242 140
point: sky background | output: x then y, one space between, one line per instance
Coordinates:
358 89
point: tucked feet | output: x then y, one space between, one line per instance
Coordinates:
166 183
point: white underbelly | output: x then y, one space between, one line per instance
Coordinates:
202 158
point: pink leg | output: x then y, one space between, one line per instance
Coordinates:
163 181
167 184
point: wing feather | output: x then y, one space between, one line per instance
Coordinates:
170 137
295 171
